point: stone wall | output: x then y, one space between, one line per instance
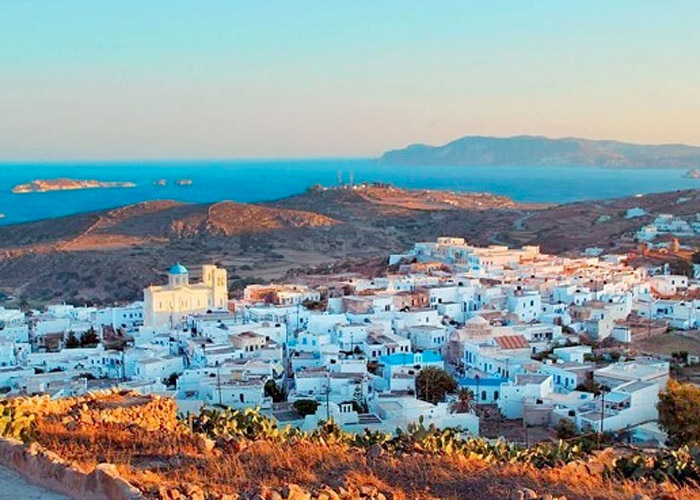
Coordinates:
48 470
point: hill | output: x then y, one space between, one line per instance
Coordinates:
108 256
534 150
126 445
111 255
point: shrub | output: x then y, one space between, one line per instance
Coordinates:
566 429
432 384
678 413
305 407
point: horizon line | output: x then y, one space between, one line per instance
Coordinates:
116 160
253 159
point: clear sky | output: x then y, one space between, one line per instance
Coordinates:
119 79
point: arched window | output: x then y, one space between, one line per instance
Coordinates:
483 395
495 395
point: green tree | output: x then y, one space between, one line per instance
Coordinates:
72 341
682 267
464 402
678 413
171 381
277 394
432 384
89 338
565 429
305 407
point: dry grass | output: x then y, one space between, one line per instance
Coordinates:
153 459
669 343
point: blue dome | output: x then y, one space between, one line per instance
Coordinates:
178 269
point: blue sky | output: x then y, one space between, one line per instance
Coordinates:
240 79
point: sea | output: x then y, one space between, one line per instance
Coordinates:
263 180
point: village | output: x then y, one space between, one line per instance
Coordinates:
495 341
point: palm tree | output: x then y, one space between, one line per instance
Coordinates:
464 403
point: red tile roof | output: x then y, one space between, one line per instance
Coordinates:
512 342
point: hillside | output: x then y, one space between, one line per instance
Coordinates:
111 255
132 446
534 150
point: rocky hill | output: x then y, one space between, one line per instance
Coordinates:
123 445
111 255
533 150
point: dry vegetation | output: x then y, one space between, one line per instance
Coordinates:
165 459
110 256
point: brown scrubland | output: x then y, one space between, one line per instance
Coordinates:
165 459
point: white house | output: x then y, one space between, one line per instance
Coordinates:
525 389
527 305
627 405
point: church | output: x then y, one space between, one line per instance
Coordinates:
170 304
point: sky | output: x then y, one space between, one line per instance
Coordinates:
133 79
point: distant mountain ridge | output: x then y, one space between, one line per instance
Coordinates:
528 150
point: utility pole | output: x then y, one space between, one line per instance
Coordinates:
328 394
602 416
218 380
477 389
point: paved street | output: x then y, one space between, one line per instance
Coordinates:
15 487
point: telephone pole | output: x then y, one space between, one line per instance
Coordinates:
602 416
328 393
218 380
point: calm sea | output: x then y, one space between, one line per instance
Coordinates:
266 180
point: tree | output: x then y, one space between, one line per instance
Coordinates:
432 384
696 257
682 267
277 394
465 397
566 429
89 338
72 341
680 357
171 381
678 413
305 407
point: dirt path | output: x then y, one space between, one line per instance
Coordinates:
15 487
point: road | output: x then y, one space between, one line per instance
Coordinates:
15 487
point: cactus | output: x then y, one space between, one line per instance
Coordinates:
681 465
15 423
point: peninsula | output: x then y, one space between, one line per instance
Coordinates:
63 184
530 150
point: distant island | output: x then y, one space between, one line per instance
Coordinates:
534 150
44 186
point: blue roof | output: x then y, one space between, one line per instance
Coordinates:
483 382
178 269
431 357
408 358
